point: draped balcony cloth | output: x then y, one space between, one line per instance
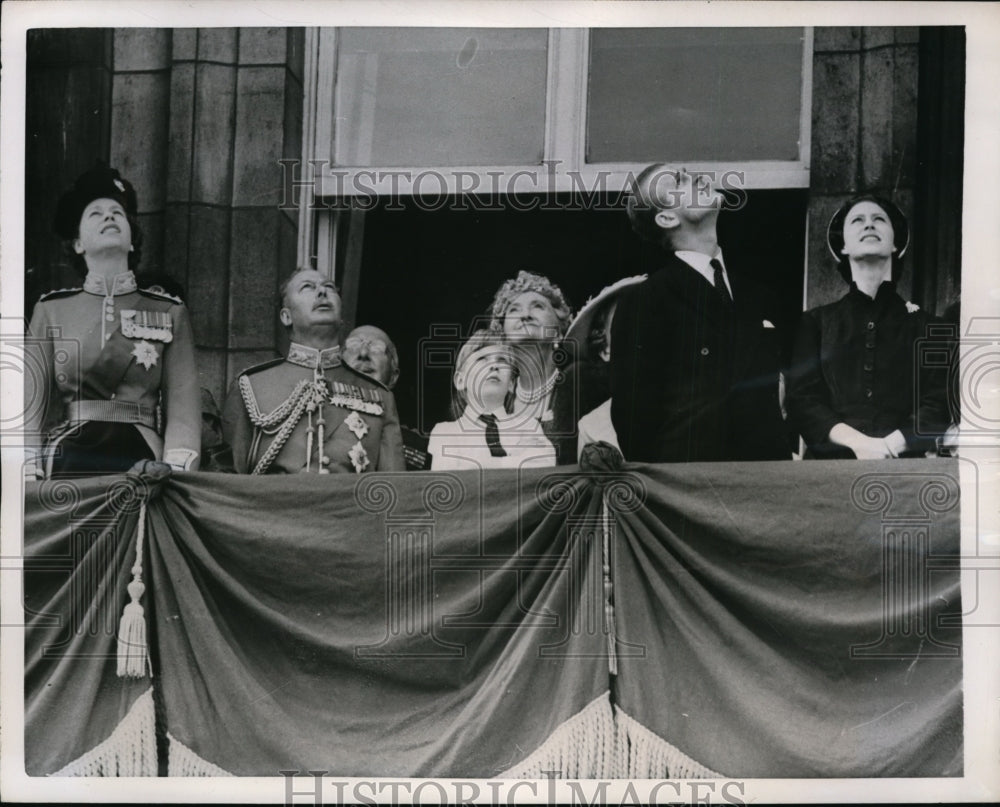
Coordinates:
769 620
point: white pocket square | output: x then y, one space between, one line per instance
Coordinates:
768 324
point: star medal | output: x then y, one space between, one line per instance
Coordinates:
356 424
145 354
359 457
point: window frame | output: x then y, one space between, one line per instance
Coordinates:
563 168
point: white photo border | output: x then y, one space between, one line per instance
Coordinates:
980 301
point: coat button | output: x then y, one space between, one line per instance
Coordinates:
868 367
868 393
704 351
871 325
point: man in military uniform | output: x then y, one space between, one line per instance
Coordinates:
369 350
310 412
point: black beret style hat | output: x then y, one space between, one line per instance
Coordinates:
100 182
835 234
835 230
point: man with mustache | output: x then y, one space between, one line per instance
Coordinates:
694 360
310 412
369 350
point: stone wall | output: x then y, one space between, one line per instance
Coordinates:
864 134
197 120
67 126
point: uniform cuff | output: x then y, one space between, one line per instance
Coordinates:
181 459
34 463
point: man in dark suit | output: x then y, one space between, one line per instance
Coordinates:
695 361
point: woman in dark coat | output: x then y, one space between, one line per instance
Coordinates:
858 386
110 371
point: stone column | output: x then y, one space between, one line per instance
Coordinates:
864 134
67 119
201 118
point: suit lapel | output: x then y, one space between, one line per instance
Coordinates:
749 322
697 294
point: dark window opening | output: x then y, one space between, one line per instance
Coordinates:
423 269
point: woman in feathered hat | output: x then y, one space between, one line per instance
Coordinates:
110 372
531 314
856 387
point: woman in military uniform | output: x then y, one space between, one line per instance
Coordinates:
110 373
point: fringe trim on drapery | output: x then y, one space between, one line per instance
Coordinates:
581 747
182 761
130 750
645 755
603 742
598 742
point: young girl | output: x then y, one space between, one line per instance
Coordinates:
485 434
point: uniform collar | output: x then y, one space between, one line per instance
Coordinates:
312 358
123 283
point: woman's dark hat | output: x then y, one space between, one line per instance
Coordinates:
100 182
835 230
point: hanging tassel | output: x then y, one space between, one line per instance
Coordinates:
609 608
133 655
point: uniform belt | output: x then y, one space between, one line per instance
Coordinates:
112 412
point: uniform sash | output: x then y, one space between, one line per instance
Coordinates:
102 379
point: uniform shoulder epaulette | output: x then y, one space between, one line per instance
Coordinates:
55 295
370 379
161 295
263 366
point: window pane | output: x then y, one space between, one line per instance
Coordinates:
440 96
694 94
